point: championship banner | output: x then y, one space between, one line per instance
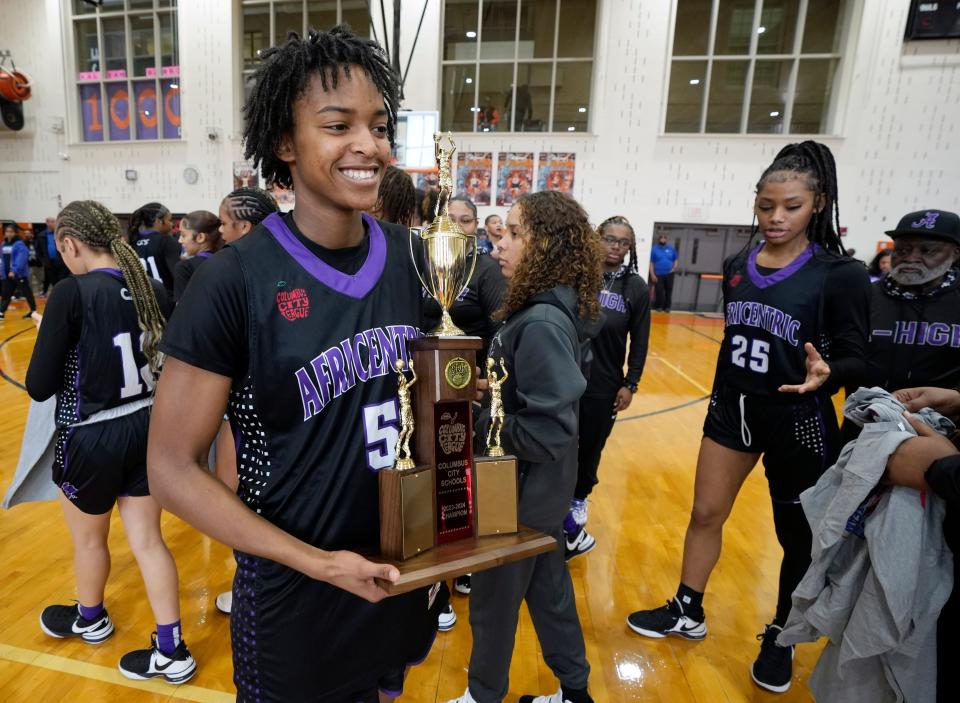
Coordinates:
475 176
556 171
245 175
515 176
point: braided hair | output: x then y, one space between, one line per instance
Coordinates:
816 163
250 205
283 77
93 224
623 222
396 197
145 216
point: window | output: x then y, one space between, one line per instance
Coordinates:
755 66
517 65
267 23
127 69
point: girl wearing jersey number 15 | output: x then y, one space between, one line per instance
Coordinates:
97 351
294 329
797 313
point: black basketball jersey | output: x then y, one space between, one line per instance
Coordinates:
184 271
770 315
107 368
152 248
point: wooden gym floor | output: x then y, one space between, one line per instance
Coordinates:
638 514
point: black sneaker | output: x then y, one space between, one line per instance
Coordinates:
564 695
29 315
63 621
581 543
773 668
142 664
667 620
462 584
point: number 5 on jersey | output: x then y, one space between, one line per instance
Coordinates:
380 431
759 357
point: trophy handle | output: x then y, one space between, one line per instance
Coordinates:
473 267
419 232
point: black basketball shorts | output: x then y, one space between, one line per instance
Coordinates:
95 464
798 435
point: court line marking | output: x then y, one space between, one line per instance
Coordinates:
3 373
702 334
681 374
106 674
663 410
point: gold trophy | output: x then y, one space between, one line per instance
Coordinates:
495 384
403 459
443 511
450 255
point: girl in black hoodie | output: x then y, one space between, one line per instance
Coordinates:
551 258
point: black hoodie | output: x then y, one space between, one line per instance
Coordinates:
914 340
542 346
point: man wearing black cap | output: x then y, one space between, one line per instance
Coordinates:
915 308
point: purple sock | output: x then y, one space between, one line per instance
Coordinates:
91 613
570 525
168 637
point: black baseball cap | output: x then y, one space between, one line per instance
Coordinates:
935 224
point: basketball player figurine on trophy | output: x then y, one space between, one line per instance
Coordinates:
403 459
495 384
469 497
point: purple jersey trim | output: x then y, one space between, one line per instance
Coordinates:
116 273
761 281
356 286
204 254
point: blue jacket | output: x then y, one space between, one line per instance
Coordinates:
19 260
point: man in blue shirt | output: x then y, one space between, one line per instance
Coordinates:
663 263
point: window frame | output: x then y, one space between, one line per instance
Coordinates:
835 109
71 83
241 74
552 61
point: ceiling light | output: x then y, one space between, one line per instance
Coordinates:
471 35
582 109
761 30
775 113
469 80
571 129
694 81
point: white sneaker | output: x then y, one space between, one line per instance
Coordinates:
465 698
225 602
447 619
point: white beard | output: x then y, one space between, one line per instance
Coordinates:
925 275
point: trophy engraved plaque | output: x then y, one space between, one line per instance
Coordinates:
443 511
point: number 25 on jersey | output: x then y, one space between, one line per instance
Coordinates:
758 358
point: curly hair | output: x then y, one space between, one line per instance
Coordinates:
283 77
561 249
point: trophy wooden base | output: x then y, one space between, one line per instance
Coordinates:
465 556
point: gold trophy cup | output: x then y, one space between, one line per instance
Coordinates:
450 256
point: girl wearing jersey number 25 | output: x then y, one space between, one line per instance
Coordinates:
294 330
796 330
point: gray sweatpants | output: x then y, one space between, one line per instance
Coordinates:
495 598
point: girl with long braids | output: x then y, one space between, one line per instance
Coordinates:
625 301
293 330
242 210
797 312
149 234
200 238
551 257
97 350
